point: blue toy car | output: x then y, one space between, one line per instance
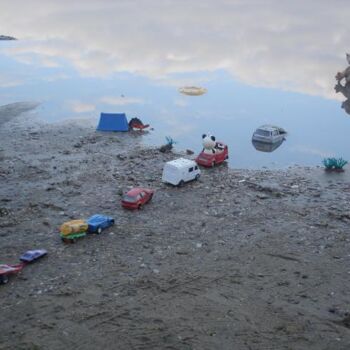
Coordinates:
32 255
97 223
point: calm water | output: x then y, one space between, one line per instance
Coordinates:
269 63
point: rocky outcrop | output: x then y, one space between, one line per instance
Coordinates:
6 37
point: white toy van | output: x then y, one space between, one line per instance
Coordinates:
179 171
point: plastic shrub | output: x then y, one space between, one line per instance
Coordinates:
334 163
170 141
169 144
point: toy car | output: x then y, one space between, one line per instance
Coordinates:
32 255
136 198
71 230
210 160
181 170
99 222
269 134
7 270
26 258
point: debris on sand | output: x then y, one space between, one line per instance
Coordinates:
192 90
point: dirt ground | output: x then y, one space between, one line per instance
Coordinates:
237 260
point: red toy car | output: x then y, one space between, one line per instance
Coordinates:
137 197
7 270
210 160
26 258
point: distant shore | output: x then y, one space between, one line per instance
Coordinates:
7 37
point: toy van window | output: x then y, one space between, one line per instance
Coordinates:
263 132
190 170
142 194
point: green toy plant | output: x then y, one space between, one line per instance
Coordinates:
169 144
334 164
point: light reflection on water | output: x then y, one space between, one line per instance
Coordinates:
261 64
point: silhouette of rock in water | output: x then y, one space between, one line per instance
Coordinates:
344 89
6 37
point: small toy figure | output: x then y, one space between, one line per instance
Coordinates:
137 198
214 152
26 258
208 144
136 123
71 230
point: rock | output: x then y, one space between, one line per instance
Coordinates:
7 37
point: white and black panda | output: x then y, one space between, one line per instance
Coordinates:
209 143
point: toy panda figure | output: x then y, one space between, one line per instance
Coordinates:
209 144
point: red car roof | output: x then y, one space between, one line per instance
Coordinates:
135 191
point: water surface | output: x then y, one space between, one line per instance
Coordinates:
261 62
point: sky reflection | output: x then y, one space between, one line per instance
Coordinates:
262 62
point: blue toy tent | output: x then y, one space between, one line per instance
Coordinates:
113 122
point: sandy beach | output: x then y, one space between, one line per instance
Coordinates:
241 259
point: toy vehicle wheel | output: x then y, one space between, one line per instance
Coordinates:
181 183
140 207
4 279
212 164
65 240
226 157
99 230
197 177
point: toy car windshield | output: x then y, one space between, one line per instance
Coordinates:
129 199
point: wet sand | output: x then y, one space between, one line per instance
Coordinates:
237 260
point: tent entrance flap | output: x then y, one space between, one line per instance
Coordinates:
113 122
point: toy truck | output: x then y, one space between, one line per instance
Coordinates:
70 231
